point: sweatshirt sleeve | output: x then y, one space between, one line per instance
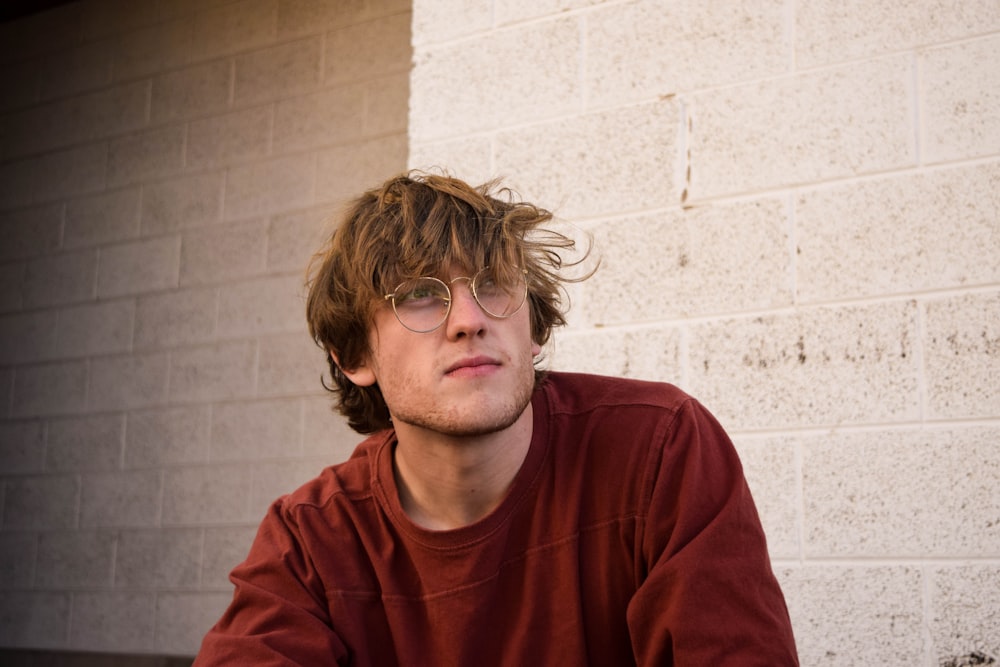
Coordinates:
278 615
709 596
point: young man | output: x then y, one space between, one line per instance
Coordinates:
497 515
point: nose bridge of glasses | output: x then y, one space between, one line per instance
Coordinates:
469 287
467 279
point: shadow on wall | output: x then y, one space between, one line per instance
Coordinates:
15 9
63 659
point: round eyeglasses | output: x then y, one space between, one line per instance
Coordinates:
422 304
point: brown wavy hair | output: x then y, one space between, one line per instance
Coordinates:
413 225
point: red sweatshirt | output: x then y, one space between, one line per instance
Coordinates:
628 535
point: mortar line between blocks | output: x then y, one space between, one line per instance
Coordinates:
793 244
919 349
926 610
918 118
791 10
801 509
582 69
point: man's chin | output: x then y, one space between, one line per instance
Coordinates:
471 427
472 421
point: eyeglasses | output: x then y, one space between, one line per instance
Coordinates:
422 304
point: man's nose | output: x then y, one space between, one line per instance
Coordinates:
466 317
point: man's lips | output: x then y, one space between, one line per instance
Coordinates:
472 366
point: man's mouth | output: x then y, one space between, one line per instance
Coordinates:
473 366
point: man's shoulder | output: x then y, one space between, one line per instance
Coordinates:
614 428
350 479
582 392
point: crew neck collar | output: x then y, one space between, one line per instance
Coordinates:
387 492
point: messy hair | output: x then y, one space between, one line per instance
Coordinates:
414 225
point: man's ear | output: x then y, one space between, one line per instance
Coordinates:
362 375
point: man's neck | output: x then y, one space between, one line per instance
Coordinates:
448 482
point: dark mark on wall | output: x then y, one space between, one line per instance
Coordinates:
687 169
970 660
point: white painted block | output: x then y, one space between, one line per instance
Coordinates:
901 493
961 360
834 32
252 431
930 230
75 559
128 381
326 433
289 364
640 50
647 353
61 279
684 263
176 318
595 164
344 172
113 620
158 558
190 201
964 613
151 154
542 82
213 372
121 499
138 267
854 614
813 367
89 443
275 186
223 253
324 118
34 619
263 306
365 50
22 447
191 92
814 126
105 218
960 98
30 232
100 328
234 27
278 72
50 389
41 502
207 495
167 436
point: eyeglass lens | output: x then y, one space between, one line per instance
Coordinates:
422 304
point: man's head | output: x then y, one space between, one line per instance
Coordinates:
423 225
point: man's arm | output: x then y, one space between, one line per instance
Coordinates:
709 597
278 615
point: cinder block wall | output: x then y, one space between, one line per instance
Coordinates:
797 205
166 169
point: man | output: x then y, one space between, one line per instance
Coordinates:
497 515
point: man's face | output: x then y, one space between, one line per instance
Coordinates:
473 375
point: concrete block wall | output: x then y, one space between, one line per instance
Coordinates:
166 170
797 207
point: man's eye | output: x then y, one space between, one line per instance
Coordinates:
489 286
420 296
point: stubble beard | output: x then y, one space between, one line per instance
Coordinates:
484 422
